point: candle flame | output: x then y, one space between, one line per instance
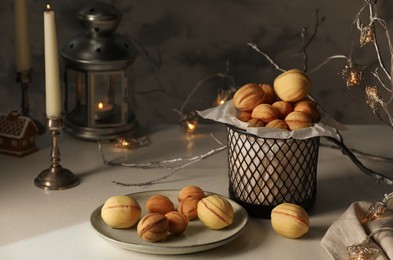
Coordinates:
100 105
48 7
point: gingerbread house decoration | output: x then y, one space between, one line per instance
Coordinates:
17 134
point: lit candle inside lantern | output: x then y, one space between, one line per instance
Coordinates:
103 111
52 79
22 37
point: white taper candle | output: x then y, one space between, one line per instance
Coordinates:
52 79
22 36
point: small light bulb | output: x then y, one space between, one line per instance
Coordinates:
189 122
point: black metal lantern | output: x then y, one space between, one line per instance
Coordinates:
96 72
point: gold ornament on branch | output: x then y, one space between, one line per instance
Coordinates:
353 74
366 35
373 100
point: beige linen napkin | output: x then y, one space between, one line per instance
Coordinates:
349 230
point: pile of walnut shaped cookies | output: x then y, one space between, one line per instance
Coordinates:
284 105
162 219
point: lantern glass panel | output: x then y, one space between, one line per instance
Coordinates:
107 99
76 98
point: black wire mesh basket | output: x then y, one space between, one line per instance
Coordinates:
265 172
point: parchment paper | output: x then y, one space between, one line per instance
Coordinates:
226 113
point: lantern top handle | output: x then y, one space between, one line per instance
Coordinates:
99 47
99 18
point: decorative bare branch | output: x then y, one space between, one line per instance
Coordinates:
303 50
306 43
368 35
254 46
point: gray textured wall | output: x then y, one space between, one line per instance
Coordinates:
197 39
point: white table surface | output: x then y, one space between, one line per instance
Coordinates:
39 224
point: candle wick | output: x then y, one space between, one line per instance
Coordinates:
48 7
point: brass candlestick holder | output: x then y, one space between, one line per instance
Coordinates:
24 79
56 177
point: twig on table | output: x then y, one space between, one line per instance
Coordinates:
379 177
175 170
163 164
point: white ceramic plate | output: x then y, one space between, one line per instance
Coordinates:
196 238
